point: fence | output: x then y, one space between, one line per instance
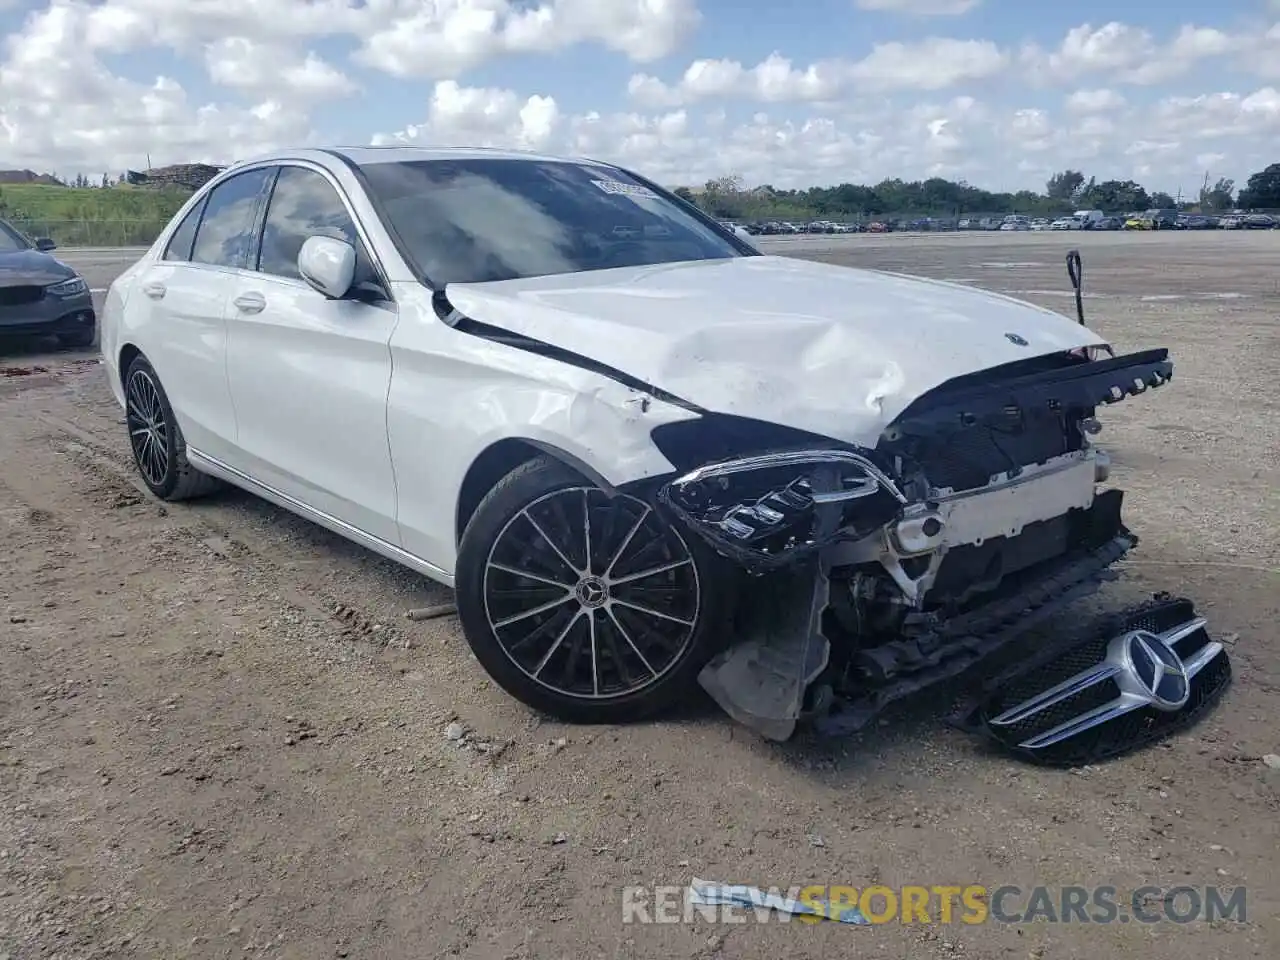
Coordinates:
93 233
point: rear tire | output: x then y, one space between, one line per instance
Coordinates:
586 606
159 449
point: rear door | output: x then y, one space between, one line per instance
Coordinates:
309 375
180 300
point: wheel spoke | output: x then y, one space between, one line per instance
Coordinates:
546 657
652 572
157 461
586 540
651 612
622 631
551 543
541 608
595 655
516 572
626 541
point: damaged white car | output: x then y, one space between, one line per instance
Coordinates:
645 454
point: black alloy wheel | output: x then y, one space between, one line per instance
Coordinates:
587 605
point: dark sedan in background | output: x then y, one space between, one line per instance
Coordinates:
40 295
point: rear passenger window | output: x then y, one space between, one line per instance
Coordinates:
180 242
303 204
226 233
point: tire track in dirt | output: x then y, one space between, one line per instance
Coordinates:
205 744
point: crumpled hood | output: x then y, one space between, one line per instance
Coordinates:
832 350
32 268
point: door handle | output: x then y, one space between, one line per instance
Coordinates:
250 302
155 291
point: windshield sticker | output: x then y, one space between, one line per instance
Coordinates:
620 189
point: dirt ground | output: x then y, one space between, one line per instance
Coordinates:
221 737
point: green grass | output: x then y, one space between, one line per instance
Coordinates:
71 216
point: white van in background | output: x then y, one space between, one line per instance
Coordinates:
1088 218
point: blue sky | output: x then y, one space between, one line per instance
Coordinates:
1160 91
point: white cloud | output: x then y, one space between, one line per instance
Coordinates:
482 117
63 108
260 68
76 99
930 64
1126 54
1094 101
957 138
921 8
444 37
773 80
1262 57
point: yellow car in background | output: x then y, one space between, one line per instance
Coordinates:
1139 223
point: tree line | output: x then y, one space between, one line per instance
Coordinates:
1064 192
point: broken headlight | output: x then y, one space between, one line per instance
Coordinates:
766 510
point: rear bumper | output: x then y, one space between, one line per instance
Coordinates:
47 316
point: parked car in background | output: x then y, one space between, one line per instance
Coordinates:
39 294
1258 221
1139 222
1015 222
1109 223
1197 221
1066 223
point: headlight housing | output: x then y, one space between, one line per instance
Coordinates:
768 510
68 288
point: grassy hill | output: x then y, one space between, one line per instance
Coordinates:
115 216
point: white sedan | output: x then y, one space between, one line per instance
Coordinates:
645 454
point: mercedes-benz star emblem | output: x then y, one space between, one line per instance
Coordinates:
592 592
1158 670
1015 339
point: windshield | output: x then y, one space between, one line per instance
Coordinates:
475 220
10 240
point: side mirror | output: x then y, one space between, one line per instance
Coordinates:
44 245
329 265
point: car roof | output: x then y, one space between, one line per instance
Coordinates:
399 153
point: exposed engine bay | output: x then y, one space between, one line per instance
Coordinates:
981 511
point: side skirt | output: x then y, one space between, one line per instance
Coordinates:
216 468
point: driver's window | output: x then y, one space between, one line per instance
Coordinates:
303 204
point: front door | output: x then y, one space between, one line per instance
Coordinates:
309 375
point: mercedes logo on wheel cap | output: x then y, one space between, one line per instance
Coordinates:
1158 670
592 592
1015 339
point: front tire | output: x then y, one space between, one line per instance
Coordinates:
159 450
586 606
